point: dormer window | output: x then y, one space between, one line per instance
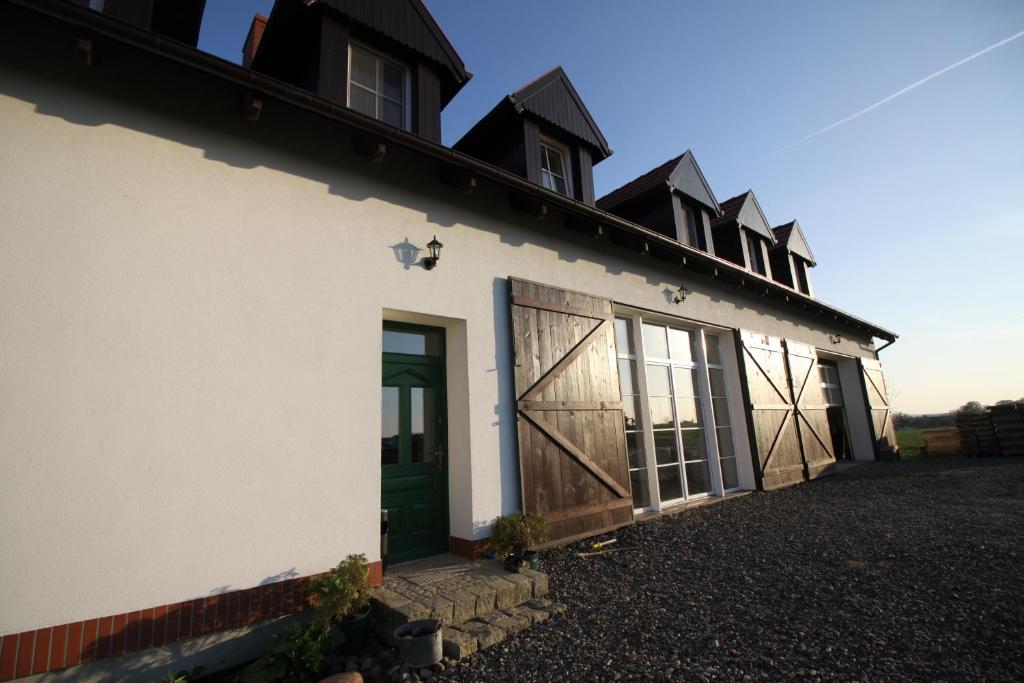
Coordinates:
554 167
755 253
690 225
377 87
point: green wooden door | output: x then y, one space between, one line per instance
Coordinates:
414 462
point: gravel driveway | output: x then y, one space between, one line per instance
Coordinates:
903 570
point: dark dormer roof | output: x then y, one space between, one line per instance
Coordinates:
745 210
680 173
553 98
790 237
406 22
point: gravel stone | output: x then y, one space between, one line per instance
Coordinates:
906 570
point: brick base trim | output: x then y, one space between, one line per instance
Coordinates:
83 642
466 548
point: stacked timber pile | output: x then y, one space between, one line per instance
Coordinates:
941 441
977 435
1008 422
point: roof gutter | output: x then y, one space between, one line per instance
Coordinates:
210 64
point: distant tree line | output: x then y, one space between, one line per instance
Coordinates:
939 420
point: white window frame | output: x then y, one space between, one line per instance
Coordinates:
406 82
707 411
563 151
828 386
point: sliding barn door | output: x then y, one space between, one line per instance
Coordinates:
572 444
811 410
778 460
877 399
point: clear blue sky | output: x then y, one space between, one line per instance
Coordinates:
915 211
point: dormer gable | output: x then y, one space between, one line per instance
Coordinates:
674 199
791 258
544 133
386 59
742 234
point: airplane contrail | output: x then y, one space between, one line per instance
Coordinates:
896 94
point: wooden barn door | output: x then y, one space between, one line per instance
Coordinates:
877 400
811 409
775 441
572 443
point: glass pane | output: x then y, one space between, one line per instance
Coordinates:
679 342
713 350
665 450
364 68
661 413
631 413
693 444
835 396
627 376
389 426
725 447
638 482
823 373
546 180
688 412
552 161
624 336
635 449
698 479
730 479
391 113
363 101
655 344
393 80
414 343
657 381
687 381
721 408
559 185
422 427
670 485
717 378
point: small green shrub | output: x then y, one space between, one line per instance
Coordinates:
342 592
297 655
512 534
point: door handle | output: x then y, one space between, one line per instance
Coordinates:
439 457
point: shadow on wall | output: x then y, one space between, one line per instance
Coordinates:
505 410
121 90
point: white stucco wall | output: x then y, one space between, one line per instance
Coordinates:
190 343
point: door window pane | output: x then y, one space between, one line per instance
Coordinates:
389 426
638 482
655 343
631 413
624 336
713 350
730 478
686 381
413 343
693 444
661 413
657 380
721 409
680 344
688 412
717 378
698 480
725 447
670 485
423 418
665 449
635 450
627 376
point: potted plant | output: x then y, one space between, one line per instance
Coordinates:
342 598
514 535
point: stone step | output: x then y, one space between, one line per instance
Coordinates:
478 608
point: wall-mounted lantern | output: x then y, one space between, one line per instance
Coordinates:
835 338
435 254
681 294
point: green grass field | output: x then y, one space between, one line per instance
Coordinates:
910 442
